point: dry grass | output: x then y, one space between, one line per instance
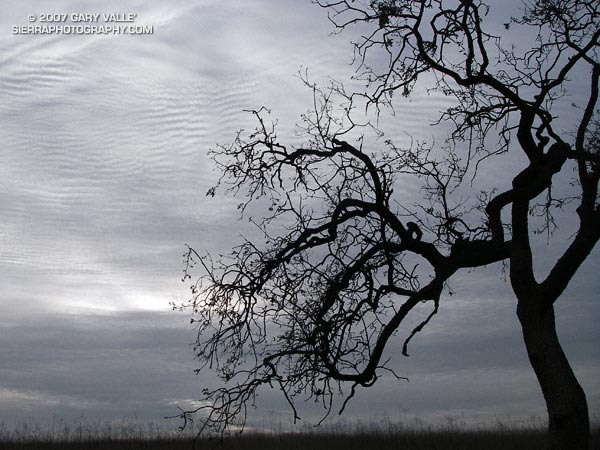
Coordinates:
346 436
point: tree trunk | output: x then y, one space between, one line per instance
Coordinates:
568 420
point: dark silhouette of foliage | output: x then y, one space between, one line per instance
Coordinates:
345 259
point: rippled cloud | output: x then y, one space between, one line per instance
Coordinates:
103 174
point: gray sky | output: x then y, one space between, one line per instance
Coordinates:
103 172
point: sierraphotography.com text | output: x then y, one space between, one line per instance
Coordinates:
105 23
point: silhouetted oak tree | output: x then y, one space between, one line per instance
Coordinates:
344 260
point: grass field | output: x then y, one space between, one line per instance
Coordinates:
347 436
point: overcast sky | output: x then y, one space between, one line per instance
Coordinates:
103 172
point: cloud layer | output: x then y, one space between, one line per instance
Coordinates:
103 171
